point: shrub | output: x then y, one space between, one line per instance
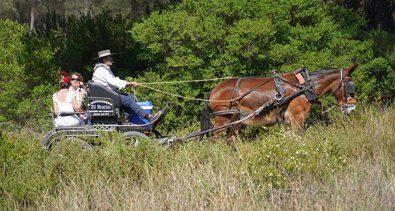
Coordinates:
23 67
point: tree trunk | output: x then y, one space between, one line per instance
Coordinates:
137 8
17 4
380 14
88 8
32 13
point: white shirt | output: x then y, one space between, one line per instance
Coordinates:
76 93
104 76
66 106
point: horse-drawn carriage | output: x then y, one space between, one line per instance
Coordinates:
103 113
260 101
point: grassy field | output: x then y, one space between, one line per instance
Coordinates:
348 164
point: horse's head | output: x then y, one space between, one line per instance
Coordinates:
345 93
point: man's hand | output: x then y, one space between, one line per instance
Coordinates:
133 84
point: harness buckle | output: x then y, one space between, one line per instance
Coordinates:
279 96
279 86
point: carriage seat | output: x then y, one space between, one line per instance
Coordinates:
104 104
99 91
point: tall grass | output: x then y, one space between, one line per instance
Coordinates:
348 164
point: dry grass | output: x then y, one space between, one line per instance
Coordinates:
347 165
363 186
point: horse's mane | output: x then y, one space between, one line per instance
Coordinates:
324 71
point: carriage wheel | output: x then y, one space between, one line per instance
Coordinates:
134 137
48 139
70 143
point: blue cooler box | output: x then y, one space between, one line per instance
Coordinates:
136 119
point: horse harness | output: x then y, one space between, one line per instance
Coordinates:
305 86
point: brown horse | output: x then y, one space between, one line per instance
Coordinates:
264 101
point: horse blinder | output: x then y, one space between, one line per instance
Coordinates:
349 92
349 85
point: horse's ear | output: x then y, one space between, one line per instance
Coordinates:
351 69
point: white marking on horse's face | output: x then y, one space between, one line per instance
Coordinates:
348 109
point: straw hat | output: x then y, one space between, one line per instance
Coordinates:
104 53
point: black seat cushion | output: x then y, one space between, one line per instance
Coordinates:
98 90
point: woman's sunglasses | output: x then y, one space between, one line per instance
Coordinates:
75 79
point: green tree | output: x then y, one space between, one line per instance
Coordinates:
76 41
11 67
23 67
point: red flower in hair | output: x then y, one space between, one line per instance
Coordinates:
65 77
64 73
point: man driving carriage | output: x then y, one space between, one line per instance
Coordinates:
103 75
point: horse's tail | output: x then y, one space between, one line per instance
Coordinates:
205 123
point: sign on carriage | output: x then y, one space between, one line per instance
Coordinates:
101 108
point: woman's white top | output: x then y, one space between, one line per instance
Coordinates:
66 106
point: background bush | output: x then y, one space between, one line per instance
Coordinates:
24 69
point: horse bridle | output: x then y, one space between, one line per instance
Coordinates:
348 87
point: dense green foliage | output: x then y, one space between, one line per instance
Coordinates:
76 42
24 65
209 39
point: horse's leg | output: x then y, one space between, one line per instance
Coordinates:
219 121
295 114
234 132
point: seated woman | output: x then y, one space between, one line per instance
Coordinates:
63 103
78 88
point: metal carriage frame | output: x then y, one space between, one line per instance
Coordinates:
101 119
128 131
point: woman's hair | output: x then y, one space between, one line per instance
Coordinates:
64 81
79 76
63 85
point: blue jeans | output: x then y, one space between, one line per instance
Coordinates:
129 103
